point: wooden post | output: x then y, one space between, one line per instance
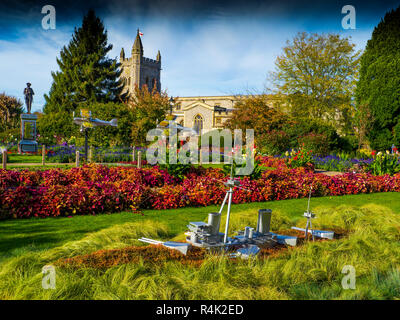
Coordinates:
77 159
43 155
4 159
139 159
133 154
90 154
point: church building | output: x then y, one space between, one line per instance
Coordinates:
139 70
201 112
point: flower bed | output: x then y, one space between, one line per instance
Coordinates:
97 189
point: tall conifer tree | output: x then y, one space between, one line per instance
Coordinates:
379 86
86 73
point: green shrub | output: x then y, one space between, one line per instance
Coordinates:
385 164
313 128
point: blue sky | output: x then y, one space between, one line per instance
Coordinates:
207 48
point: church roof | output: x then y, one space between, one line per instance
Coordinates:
137 45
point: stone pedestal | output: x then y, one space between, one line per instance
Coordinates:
28 133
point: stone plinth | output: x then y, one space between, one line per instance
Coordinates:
28 133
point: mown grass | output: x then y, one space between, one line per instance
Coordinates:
312 271
36 234
24 158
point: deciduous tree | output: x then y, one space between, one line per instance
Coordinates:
148 109
316 74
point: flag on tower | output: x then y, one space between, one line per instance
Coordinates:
140 33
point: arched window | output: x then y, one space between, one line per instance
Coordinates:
198 123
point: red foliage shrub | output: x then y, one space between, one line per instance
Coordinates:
96 189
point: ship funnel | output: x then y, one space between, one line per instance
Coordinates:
214 219
264 220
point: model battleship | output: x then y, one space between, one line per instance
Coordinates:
247 242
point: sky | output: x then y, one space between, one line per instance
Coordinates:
207 47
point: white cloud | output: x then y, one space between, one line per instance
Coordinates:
30 58
221 55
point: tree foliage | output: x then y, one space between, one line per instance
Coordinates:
86 74
55 126
10 111
148 108
86 77
276 131
112 136
316 75
379 84
254 112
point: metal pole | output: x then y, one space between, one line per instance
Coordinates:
306 232
77 159
86 144
228 215
223 202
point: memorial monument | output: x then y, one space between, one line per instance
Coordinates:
28 141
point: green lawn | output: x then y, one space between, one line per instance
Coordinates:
24 158
23 235
49 165
312 271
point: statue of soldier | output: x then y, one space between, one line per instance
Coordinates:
28 93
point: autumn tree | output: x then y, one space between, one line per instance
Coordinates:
148 108
254 112
316 74
10 111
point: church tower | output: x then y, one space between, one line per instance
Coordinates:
138 70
